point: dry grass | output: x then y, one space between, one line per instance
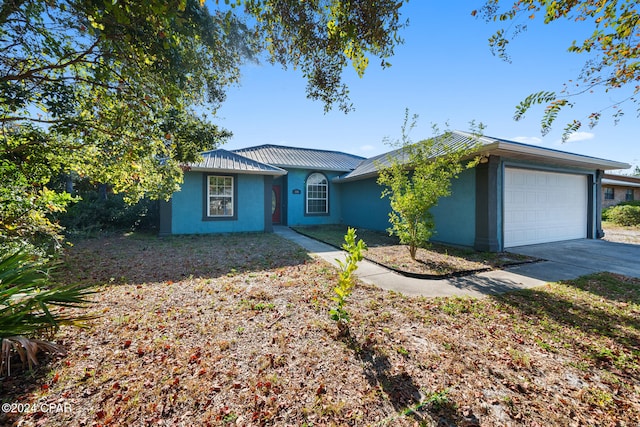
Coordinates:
621 234
235 330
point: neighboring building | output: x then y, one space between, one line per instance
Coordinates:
518 194
619 188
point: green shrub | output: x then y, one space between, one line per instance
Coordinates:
95 214
627 214
630 203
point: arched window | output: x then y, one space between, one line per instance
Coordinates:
317 194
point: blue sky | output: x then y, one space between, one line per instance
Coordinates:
444 73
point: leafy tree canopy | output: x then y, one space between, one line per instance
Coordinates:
116 90
612 49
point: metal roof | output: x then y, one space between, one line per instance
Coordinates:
305 158
227 161
487 146
370 167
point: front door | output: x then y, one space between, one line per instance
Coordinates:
276 203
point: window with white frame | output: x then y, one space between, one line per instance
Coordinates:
317 194
629 195
220 196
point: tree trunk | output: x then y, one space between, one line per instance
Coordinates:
412 251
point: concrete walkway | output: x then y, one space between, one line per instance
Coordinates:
476 285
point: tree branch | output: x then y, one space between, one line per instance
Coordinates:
8 8
51 67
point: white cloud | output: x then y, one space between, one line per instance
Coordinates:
527 140
580 136
365 148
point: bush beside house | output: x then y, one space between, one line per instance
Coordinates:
625 213
617 189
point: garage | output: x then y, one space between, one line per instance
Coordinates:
542 206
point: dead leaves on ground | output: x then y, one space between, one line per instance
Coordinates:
256 347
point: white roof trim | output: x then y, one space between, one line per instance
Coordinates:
563 157
607 181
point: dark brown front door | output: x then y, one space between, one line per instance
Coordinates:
275 204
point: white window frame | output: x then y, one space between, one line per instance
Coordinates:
318 183
227 193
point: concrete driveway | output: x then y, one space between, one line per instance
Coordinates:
573 258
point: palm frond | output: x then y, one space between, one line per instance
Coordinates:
30 307
27 349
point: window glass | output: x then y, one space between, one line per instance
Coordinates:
317 194
220 196
608 193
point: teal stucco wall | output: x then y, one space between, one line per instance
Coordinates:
362 205
187 207
454 216
296 189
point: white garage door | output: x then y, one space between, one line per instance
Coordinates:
543 207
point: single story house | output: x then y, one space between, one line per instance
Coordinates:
518 194
619 188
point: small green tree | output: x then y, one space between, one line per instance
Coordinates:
345 279
417 176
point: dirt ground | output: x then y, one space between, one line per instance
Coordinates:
616 233
235 331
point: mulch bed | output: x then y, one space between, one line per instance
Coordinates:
436 261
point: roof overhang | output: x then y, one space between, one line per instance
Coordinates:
223 161
513 150
280 172
606 181
341 179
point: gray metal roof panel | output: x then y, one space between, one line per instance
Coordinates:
306 158
370 167
227 161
